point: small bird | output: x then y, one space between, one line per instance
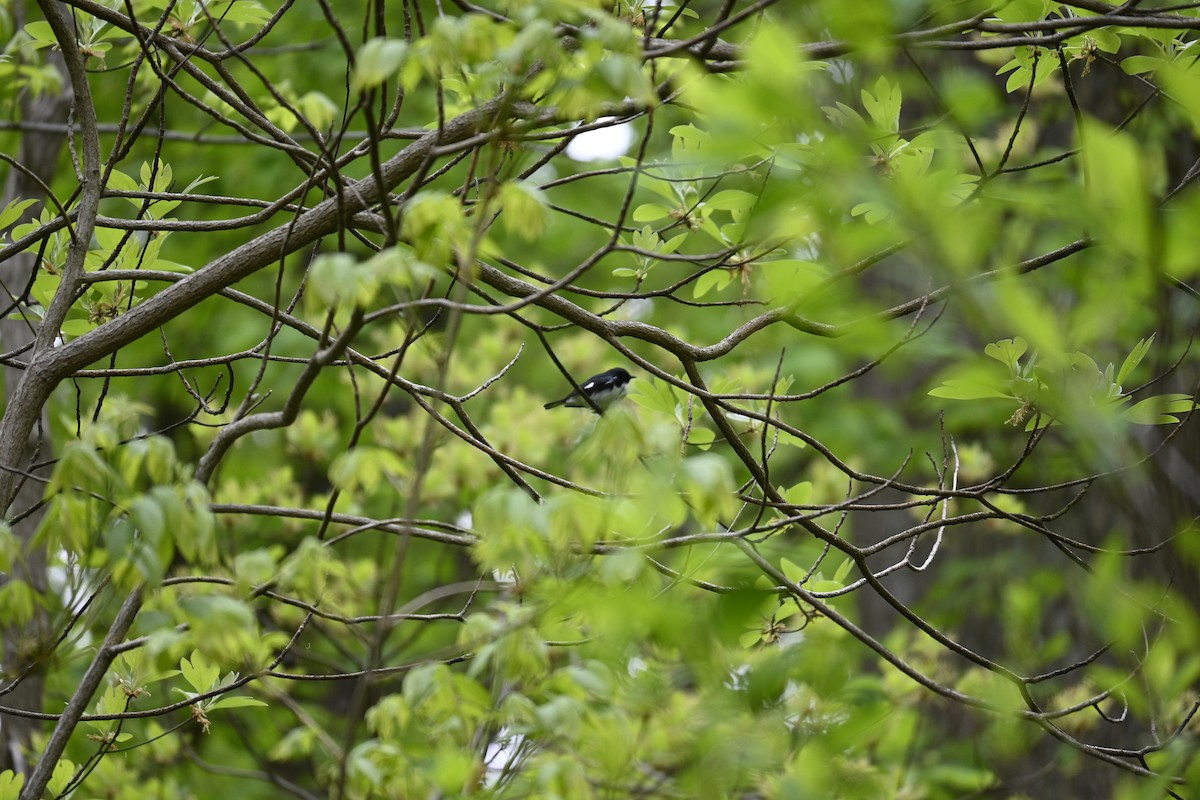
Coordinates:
603 390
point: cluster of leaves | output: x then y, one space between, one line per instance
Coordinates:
110 249
123 506
1073 388
130 679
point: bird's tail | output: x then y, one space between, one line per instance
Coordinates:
555 404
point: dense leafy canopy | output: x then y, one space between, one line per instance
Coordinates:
902 501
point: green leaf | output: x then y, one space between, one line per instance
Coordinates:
296 744
690 138
1159 410
201 674
883 105
960 779
235 702
223 624
968 389
318 109
1105 40
800 494
112 701
707 482
872 211
625 77
42 34
843 571
10 547
422 681
64 772
701 437
255 567
80 466
792 571
1022 10
201 546
435 226
451 770
155 177
200 181
161 463
524 207
119 181
13 211
365 468
10 784
650 212
376 61
1138 65
333 278
655 395
18 601
73 328
713 279
245 13
645 238
734 232
148 517
1119 169
1008 352
732 200
1018 80
789 440
1133 359
672 244
398 266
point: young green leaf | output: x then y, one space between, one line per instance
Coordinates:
234 702
1133 359
10 784
13 211
199 672
883 105
377 60
968 389
1159 410
1008 352
524 207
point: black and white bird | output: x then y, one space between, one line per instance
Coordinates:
603 390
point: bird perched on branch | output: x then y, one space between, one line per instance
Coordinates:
602 390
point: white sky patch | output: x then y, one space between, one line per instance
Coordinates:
602 144
501 754
505 577
841 70
639 308
809 248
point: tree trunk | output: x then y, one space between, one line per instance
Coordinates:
41 147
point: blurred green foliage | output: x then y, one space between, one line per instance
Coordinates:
876 255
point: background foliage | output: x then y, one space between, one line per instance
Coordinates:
903 500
